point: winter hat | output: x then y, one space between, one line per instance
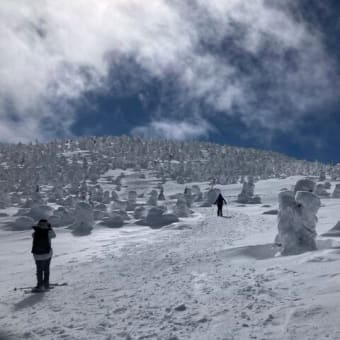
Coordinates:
43 223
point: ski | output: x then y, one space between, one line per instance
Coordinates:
28 290
36 291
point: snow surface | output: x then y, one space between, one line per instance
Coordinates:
205 277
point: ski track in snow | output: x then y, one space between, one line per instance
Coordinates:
217 279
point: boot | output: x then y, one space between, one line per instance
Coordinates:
39 287
39 280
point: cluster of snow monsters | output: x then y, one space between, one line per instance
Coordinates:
93 206
323 187
23 166
297 218
66 173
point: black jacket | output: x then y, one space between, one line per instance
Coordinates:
220 199
41 241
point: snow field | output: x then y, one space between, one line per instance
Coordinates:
202 278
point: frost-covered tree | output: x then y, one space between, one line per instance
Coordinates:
73 163
297 221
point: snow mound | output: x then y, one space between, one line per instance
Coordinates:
114 221
21 223
258 252
157 218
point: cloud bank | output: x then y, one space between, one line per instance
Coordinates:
252 59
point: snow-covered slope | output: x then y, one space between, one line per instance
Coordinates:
205 277
70 162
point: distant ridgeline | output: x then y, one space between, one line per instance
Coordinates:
71 162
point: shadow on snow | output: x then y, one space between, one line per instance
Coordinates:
29 301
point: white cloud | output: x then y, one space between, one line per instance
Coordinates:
54 51
180 130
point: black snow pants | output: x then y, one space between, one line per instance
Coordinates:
43 273
219 209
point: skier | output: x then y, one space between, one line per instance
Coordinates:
42 253
219 202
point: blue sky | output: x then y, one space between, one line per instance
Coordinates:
256 74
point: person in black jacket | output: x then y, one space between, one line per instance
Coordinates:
42 253
219 202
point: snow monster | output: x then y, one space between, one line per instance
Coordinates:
297 221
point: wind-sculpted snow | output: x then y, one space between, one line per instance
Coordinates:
83 219
247 194
297 220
